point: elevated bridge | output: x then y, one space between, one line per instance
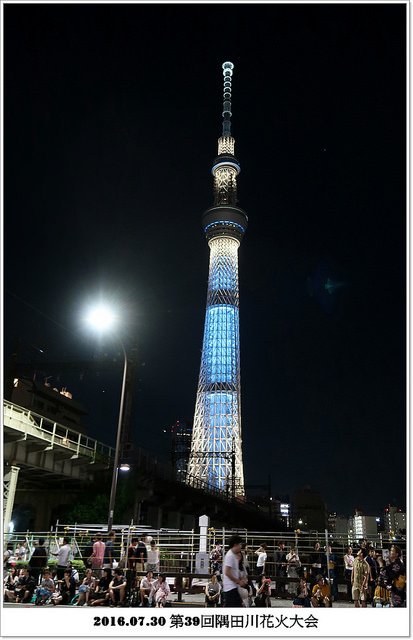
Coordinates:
47 465
50 450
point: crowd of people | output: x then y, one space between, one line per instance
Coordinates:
372 577
241 577
105 580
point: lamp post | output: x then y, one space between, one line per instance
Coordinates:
118 442
101 318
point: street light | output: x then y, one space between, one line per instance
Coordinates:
102 319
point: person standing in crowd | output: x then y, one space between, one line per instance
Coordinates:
231 573
87 552
332 564
153 558
316 560
109 556
245 562
216 559
381 595
132 557
98 554
261 552
293 565
38 560
360 579
141 554
348 568
280 558
212 592
396 578
62 558
371 561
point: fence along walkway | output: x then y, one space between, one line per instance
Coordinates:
178 549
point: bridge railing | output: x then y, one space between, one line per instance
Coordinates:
30 423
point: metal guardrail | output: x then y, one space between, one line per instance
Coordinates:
178 549
32 425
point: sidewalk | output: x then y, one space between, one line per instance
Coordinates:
189 600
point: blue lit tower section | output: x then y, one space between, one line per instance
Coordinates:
216 446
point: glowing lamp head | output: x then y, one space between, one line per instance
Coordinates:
124 467
101 318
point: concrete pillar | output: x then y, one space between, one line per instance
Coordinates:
9 491
203 532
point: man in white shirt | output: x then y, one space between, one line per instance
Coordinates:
231 573
262 557
62 558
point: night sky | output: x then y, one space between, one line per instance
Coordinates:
111 118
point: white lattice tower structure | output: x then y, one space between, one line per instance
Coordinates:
216 447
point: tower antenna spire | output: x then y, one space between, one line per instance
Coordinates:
215 460
227 69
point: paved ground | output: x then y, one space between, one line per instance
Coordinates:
198 600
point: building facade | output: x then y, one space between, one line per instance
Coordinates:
394 520
216 447
361 526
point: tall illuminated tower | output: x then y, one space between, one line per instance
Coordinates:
216 447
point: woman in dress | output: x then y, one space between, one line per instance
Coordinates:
293 564
161 591
87 585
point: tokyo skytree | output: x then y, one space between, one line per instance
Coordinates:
216 446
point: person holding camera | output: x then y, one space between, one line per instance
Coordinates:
262 598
